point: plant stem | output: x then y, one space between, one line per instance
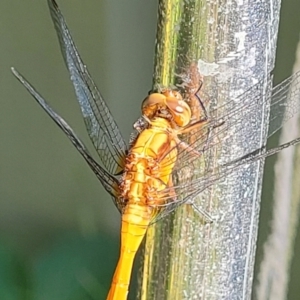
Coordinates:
232 44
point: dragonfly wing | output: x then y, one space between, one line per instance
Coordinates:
227 122
232 120
189 189
198 173
99 122
285 102
109 182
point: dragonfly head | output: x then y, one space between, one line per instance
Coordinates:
169 104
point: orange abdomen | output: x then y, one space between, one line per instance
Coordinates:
135 222
142 178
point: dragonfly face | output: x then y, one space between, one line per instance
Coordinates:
141 183
170 105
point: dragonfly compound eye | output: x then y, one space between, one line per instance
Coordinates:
180 111
152 103
170 100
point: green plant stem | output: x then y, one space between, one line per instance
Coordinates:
233 46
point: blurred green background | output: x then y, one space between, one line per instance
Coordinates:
59 231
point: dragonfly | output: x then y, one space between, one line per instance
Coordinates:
139 176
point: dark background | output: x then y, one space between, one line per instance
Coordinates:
59 231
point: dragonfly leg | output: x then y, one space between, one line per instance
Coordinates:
188 129
187 147
201 212
172 192
155 201
199 99
208 142
192 126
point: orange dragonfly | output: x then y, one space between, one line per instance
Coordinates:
139 177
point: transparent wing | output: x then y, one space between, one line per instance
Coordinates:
109 182
227 122
99 122
285 102
233 119
190 189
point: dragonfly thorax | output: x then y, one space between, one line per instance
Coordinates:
169 105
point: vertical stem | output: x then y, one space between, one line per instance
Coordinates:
232 44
